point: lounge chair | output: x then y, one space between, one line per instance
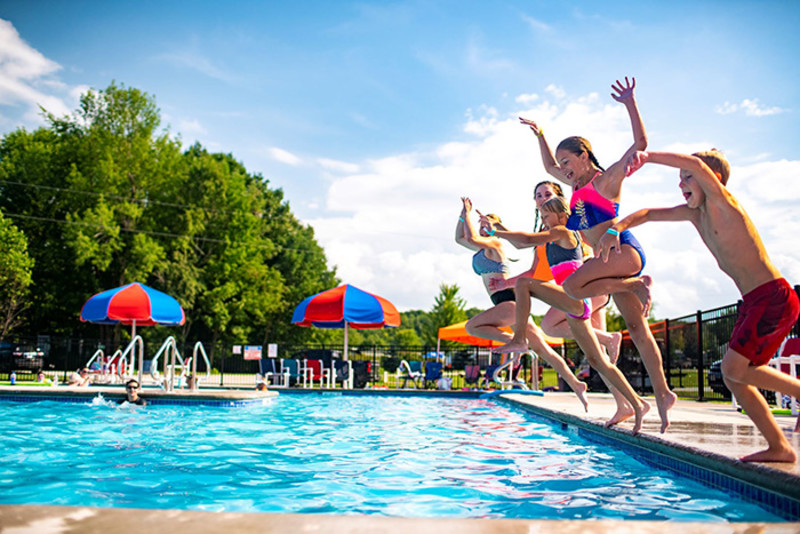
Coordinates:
361 373
488 376
409 371
270 369
314 371
291 372
433 372
343 372
472 375
788 361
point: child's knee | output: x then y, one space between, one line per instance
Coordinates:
571 287
471 326
734 368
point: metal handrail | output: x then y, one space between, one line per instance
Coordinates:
169 366
129 368
198 347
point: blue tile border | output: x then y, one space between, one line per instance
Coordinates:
237 403
776 491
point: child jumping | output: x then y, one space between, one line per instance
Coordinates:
770 306
565 256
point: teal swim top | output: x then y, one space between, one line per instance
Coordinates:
483 265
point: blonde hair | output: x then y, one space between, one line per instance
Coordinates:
717 162
557 205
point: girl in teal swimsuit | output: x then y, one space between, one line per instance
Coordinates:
489 262
595 205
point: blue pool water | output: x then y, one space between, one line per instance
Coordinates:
393 456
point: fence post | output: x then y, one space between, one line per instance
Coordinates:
221 365
700 364
668 358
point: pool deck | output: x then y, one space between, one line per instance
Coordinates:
708 433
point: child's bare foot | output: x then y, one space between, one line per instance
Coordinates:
623 413
771 455
580 391
664 404
613 346
640 413
512 346
642 291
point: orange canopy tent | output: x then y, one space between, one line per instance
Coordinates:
458 332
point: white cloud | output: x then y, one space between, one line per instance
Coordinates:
750 107
191 127
556 91
338 166
537 25
396 216
284 156
527 99
27 78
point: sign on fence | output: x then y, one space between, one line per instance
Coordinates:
252 352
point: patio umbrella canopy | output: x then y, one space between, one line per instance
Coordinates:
458 332
135 304
346 307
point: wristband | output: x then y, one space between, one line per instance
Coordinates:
541 133
462 219
612 232
492 232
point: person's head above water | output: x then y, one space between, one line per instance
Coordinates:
576 159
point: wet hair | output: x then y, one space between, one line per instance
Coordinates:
578 145
556 205
717 162
132 381
537 224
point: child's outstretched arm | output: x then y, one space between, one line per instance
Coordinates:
624 94
610 239
548 159
697 169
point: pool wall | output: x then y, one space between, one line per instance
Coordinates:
774 490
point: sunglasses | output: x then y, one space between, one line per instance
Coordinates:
131 387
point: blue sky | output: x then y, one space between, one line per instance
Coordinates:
375 117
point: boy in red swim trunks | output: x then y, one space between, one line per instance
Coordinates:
770 305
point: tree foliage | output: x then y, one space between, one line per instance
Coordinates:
105 197
15 275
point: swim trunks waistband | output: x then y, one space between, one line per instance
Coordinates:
506 295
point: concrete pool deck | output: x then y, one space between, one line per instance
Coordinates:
710 432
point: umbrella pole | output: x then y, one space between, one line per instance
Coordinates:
438 344
345 341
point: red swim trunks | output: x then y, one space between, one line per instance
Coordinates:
765 318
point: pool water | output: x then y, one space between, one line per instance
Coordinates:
392 456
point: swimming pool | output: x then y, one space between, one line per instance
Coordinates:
392 456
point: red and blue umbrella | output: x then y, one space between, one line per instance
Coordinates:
346 307
134 304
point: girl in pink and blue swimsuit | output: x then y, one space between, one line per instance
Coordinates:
595 206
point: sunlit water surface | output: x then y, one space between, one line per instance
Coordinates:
333 454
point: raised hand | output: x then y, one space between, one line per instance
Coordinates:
624 93
467 204
635 162
533 126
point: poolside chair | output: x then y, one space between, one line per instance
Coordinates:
343 372
472 375
361 373
270 369
409 371
488 375
433 372
291 372
787 360
313 371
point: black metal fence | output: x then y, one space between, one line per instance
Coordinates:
691 347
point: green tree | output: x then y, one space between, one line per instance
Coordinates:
448 308
15 275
